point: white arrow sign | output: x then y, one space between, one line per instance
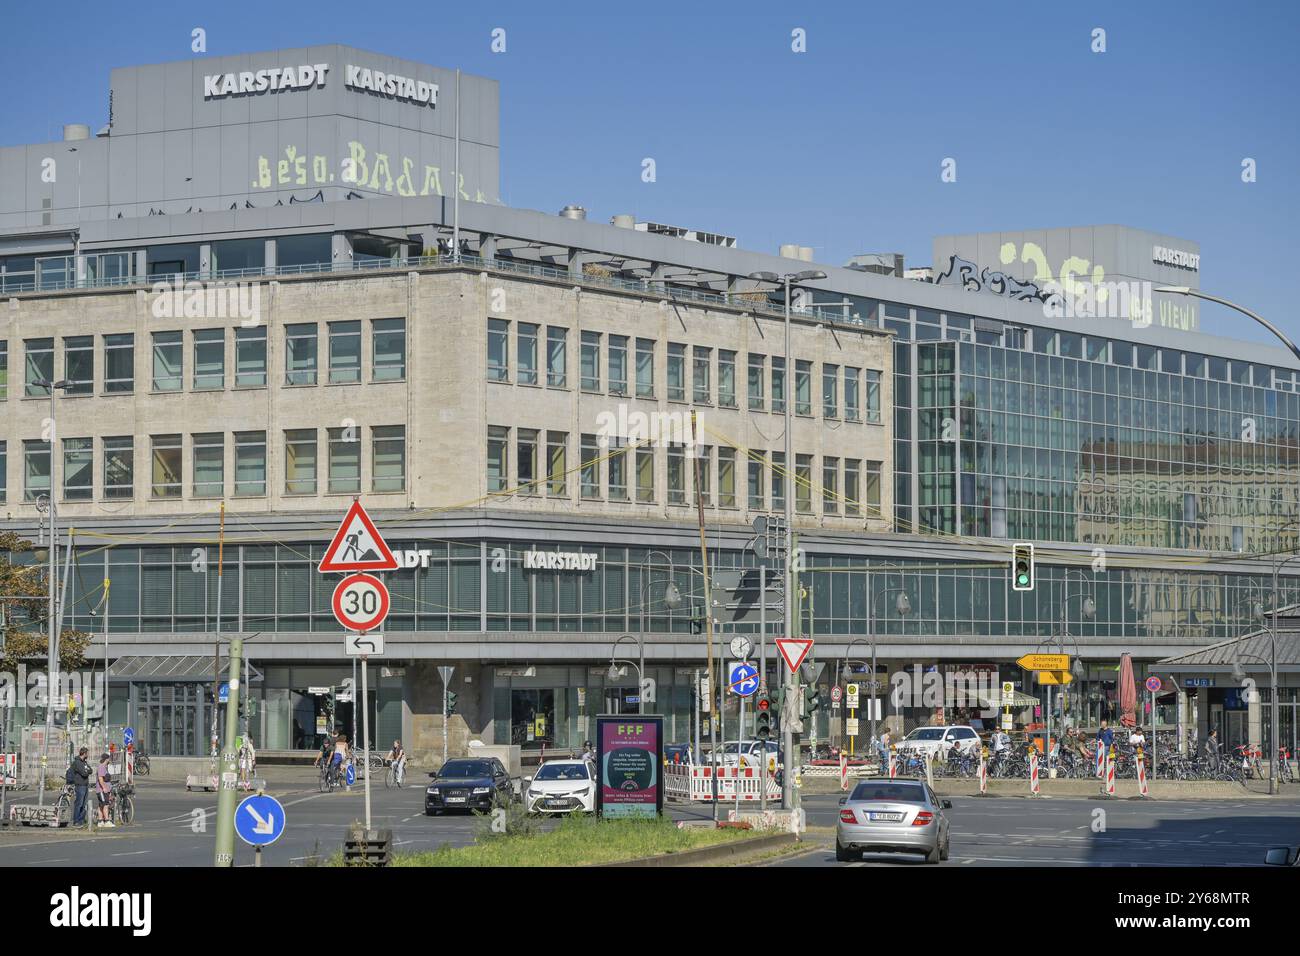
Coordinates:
368 644
264 824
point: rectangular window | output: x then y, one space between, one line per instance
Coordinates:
676 475
168 361
617 469
645 473
79 365
871 490
830 486
526 460
78 469
250 357
299 355
36 469
618 365
250 462
498 458
590 480
676 374
852 487
345 352
345 460
701 366
166 466
803 483
209 464
119 467
757 466
4 370
589 362
778 385
119 363
209 359
726 378
873 396
526 352
830 391
388 458
39 355
498 350
852 411
557 356
778 481
557 446
726 477
645 368
300 461
388 342
702 474
802 387
757 371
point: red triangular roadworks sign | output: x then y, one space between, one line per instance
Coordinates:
357 545
794 650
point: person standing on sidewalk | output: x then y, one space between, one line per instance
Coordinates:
103 781
80 772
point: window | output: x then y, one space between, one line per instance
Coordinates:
498 350
306 250
345 460
388 448
618 469
676 374
119 467
78 469
209 464
526 460
498 445
526 353
589 362
388 344
557 356
40 365
873 396
701 365
726 378
557 444
676 475
726 477
778 481
250 463
232 254
645 368
830 391
871 489
168 361
300 461
209 359
852 487
645 473
345 352
778 385
757 465
250 357
4 370
701 470
756 373
166 466
618 365
119 363
802 387
852 412
36 469
590 477
4 471
830 486
299 356
803 483
79 365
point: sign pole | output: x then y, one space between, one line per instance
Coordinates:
228 780
365 733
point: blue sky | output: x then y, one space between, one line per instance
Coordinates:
838 148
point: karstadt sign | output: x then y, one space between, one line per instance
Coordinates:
313 75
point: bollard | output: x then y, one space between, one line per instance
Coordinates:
1142 774
984 771
893 763
929 759
844 771
1101 756
1033 773
1110 771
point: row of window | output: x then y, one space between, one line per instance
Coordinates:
207 455
613 470
209 366
853 391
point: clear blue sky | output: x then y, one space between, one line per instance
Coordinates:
838 148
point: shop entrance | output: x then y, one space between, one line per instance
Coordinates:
621 700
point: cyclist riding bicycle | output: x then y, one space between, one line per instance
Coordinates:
342 757
397 757
326 748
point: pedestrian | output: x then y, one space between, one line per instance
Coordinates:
588 752
1137 738
103 789
1105 736
79 776
1212 748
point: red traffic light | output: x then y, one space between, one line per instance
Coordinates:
764 703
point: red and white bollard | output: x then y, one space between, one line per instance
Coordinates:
844 771
1142 773
893 763
1101 757
1033 773
984 770
1110 771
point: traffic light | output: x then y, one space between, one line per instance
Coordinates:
451 702
763 715
1022 567
812 698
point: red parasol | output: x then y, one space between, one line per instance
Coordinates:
1127 692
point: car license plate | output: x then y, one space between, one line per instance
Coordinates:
455 799
557 803
884 817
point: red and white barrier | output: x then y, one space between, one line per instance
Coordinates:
1034 786
1110 771
844 771
1142 774
686 782
893 763
1101 757
984 770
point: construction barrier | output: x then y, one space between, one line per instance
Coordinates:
929 759
984 770
1142 773
844 772
1101 757
1110 771
687 782
893 763
1034 786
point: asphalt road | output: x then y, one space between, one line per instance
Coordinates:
997 831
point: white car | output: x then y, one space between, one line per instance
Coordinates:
939 739
562 786
751 752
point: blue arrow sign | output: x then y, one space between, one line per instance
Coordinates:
259 820
128 736
352 774
223 692
744 679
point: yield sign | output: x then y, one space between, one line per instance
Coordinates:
794 650
357 546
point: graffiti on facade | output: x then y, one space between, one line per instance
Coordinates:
360 168
970 276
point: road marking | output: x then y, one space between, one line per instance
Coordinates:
132 853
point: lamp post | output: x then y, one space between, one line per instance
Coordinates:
902 604
640 668
1089 609
1239 674
52 652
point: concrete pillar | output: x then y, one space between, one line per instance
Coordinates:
487 247
270 256
575 259
205 259
340 251
141 263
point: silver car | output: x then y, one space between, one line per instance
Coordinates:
892 816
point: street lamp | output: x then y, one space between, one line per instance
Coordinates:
640 668
1198 294
1088 608
51 660
902 604
1239 674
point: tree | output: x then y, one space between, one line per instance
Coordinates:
25 623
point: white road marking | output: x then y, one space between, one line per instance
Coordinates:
132 853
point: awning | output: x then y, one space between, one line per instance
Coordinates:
1018 699
165 668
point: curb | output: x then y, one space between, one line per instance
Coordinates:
710 854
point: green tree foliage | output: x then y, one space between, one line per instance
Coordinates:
25 623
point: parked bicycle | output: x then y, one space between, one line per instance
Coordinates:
141 763
121 803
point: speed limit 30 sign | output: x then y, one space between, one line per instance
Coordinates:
360 602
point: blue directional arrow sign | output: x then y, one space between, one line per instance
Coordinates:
128 736
351 774
259 820
744 679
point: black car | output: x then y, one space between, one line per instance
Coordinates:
473 783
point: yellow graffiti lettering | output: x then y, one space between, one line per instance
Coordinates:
355 169
319 168
404 187
381 162
1032 252
1071 267
282 172
431 177
263 173
461 185
298 164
